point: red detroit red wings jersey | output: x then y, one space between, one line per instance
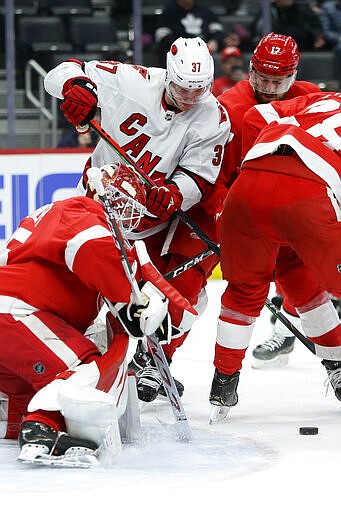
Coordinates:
310 124
59 259
237 102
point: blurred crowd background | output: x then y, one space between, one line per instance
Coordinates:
141 31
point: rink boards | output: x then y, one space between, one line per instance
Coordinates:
31 178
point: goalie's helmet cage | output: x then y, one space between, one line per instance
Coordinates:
126 194
190 65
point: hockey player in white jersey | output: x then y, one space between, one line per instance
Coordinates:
170 124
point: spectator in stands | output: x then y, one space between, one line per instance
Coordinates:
231 64
330 17
296 19
231 6
186 18
72 139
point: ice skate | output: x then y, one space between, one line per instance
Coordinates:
148 381
138 363
41 444
333 369
179 386
223 395
139 359
274 352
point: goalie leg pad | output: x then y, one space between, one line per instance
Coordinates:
90 414
129 422
47 398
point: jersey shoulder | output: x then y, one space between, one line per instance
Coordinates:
118 74
239 98
300 88
78 206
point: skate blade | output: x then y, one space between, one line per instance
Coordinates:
218 414
276 362
79 460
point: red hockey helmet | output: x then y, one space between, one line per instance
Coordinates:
273 67
276 55
126 194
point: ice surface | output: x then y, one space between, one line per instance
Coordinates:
256 460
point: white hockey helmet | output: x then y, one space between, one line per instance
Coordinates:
190 66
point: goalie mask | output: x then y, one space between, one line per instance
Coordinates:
190 72
273 66
126 194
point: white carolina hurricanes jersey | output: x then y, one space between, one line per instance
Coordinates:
134 113
310 125
59 260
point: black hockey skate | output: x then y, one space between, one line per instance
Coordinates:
42 444
273 352
148 382
179 386
223 395
224 389
333 369
139 359
138 363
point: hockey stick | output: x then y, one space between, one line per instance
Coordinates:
210 244
147 180
186 265
282 318
181 422
268 303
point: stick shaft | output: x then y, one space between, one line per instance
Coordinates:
183 216
183 429
181 422
309 344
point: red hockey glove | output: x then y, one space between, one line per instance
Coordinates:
164 201
80 100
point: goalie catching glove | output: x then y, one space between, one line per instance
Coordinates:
147 318
80 101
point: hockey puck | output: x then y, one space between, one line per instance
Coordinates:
309 431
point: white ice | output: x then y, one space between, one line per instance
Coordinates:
256 460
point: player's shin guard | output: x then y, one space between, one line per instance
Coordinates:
233 337
321 324
232 342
